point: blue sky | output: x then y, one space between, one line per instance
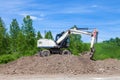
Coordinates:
60 15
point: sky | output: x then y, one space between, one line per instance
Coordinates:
60 15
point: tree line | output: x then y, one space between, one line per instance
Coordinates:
113 41
20 39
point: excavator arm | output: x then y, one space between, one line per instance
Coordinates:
93 35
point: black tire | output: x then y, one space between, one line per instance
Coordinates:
66 52
44 53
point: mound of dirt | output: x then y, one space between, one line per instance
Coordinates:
59 64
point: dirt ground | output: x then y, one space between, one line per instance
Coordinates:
60 64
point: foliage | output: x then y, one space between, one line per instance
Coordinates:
107 49
104 51
76 45
48 35
14 29
28 32
39 36
14 32
19 41
8 57
112 41
21 44
3 45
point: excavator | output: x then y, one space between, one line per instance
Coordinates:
62 41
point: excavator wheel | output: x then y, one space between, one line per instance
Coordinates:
44 53
66 52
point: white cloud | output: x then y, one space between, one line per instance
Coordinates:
24 14
32 17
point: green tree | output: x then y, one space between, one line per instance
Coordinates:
29 32
39 36
76 44
117 40
7 43
14 31
14 28
21 44
2 37
48 35
27 26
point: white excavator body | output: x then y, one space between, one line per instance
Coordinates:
46 43
61 41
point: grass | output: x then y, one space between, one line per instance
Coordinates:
8 57
5 58
104 51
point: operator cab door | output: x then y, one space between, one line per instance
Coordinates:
65 42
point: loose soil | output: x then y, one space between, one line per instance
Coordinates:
61 64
